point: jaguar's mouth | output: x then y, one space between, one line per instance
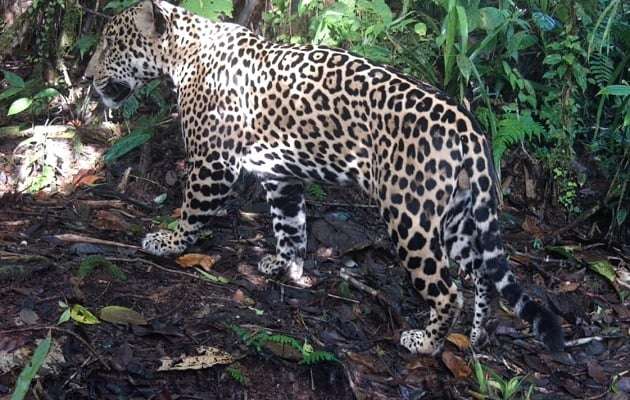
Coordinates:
116 91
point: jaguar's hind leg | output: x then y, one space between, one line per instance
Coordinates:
286 203
460 236
423 254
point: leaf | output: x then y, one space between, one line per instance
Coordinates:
87 180
212 278
125 145
31 369
14 79
552 59
621 216
121 315
615 90
456 365
10 91
47 93
193 259
20 105
459 340
462 24
64 317
604 268
211 9
420 28
206 358
465 66
85 43
545 22
82 315
491 18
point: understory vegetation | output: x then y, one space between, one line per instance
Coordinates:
547 79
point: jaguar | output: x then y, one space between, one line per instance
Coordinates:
291 114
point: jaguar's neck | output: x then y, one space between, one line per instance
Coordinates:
185 40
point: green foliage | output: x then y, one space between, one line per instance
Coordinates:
237 375
513 129
491 385
258 339
31 369
30 94
116 6
85 44
211 9
316 191
90 263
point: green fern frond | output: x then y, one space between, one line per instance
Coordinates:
513 129
316 192
315 357
601 69
89 263
237 375
285 340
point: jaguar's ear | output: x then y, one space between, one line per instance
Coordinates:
151 18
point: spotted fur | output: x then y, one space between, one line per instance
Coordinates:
290 114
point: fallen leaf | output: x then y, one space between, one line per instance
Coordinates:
193 259
241 298
568 286
87 180
28 316
206 358
596 372
121 315
177 213
604 268
111 221
459 340
456 365
82 315
530 225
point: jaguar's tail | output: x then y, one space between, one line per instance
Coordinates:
545 324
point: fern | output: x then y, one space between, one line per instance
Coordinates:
237 375
601 69
285 340
513 129
316 192
89 263
317 357
258 339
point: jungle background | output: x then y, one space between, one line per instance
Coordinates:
80 185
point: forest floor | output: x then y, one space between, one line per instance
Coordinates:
357 315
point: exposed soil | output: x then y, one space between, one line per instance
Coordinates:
185 311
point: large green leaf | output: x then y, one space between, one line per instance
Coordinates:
20 105
85 43
211 9
14 79
616 90
10 92
29 372
126 144
491 18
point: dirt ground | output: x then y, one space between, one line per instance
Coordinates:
356 315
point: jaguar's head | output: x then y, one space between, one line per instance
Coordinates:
129 51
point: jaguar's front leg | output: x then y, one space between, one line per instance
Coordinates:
286 203
207 187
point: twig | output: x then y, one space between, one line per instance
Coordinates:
586 340
56 328
72 238
172 271
283 285
362 286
